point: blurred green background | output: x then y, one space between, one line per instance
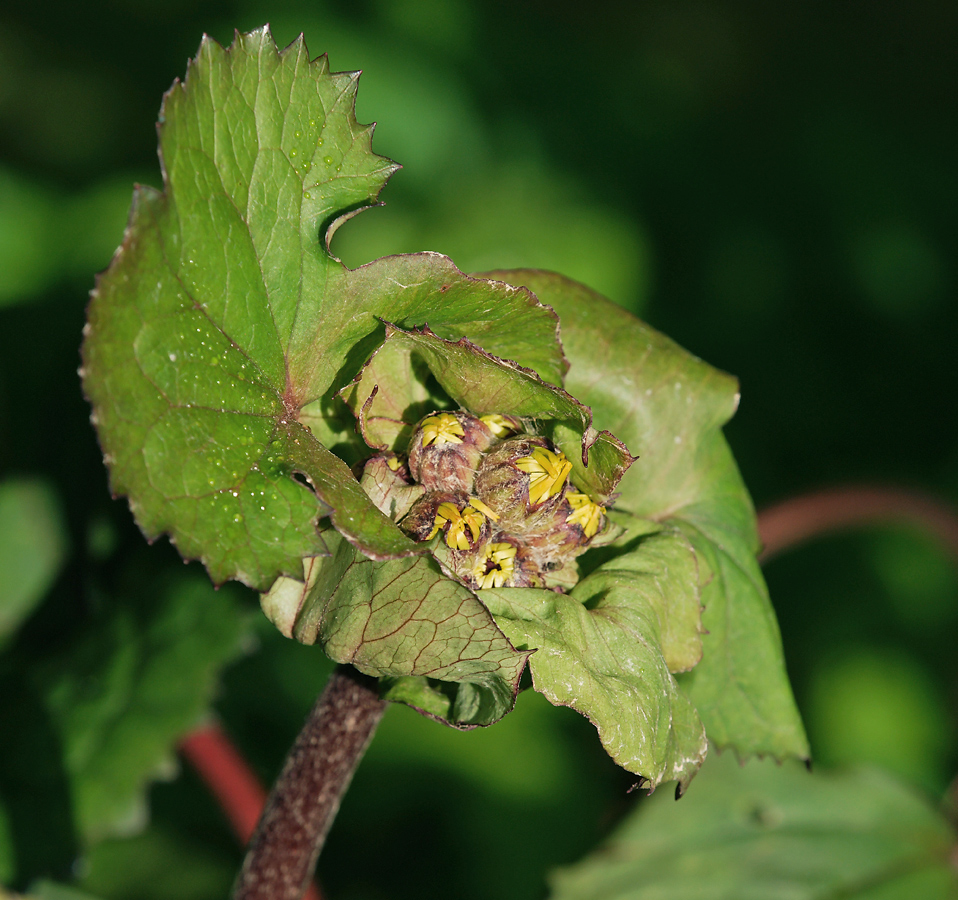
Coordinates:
773 185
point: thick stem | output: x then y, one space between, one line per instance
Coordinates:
794 521
306 796
231 781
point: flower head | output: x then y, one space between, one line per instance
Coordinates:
547 471
462 524
445 450
496 566
442 428
500 499
586 513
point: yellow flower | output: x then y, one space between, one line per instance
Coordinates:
441 429
458 522
547 473
587 514
500 426
496 566
478 504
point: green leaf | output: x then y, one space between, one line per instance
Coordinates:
165 862
223 320
603 650
668 407
390 394
403 619
33 544
116 701
773 832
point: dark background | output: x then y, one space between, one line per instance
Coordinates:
773 185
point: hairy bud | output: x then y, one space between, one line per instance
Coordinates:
500 498
503 562
446 449
523 479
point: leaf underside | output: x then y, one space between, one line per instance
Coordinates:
403 620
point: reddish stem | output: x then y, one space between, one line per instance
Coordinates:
231 781
794 521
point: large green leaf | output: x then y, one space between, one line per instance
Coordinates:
603 650
223 320
775 833
668 407
402 619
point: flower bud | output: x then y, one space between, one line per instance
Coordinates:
420 522
502 562
502 426
463 525
522 479
564 528
446 449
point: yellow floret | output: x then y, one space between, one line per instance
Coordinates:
458 522
547 473
495 567
488 513
441 429
500 426
587 514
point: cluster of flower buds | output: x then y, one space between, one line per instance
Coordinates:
500 498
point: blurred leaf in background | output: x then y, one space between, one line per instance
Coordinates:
47 237
96 719
44 889
33 545
773 832
881 706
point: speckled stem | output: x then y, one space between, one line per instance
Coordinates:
303 803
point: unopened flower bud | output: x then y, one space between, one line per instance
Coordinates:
561 536
446 449
420 522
